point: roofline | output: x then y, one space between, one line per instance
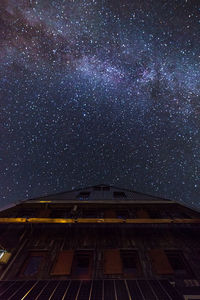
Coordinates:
88 187
112 186
5 207
189 207
107 201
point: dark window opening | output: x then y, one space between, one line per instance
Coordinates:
119 195
33 264
154 214
179 264
110 213
90 213
131 263
133 213
82 265
60 213
123 214
83 261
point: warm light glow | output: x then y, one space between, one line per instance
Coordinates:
98 220
13 220
45 201
50 220
4 256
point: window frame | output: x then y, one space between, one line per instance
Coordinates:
25 264
74 273
134 253
180 254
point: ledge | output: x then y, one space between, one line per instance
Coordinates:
99 220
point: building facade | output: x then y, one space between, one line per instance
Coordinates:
99 243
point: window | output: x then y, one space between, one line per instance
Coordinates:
122 214
119 195
179 264
133 213
110 213
90 213
82 265
124 262
83 195
142 213
33 264
170 262
60 213
44 213
131 263
154 214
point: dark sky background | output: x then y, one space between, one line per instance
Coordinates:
100 91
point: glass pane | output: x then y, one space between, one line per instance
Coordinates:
33 265
2 252
130 262
82 265
176 262
83 261
122 214
179 265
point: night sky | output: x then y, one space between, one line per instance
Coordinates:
100 91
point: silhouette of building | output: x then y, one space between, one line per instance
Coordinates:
99 243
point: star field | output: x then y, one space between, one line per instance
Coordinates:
100 91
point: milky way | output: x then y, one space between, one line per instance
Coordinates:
101 91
